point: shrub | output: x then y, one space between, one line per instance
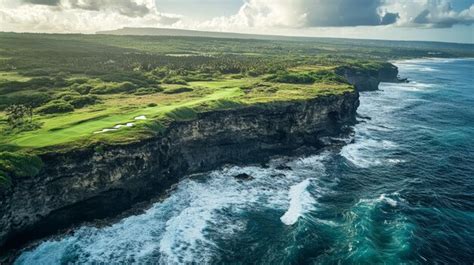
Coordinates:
151 105
148 90
82 101
174 80
31 99
198 77
37 72
82 89
18 115
99 149
160 72
18 165
4 179
253 73
56 106
178 90
322 76
137 78
68 95
327 76
292 78
182 114
155 127
114 88
34 83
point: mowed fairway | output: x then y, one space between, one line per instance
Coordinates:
84 90
82 124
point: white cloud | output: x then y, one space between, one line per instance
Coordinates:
342 13
80 15
306 13
430 13
257 16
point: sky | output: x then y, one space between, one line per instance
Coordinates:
434 20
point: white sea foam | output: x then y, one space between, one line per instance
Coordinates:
395 161
178 230
417 67
428 69
363 153
416 86
301 202
370 147
390 201
313 163
383 199
402 63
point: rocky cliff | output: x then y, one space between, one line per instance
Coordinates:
93 183
368 79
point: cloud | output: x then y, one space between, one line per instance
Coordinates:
257 16
431 14
124 7
43 2
85 16
389 18
310 13
342 13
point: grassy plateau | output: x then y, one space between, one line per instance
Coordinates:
83 90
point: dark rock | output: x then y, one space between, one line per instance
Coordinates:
278 175
364 117
369 79
243 176
82 185
283 167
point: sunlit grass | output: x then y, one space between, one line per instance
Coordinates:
81 127
12 76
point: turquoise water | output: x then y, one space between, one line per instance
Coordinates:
400 191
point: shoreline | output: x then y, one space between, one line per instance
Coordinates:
85 185
142 207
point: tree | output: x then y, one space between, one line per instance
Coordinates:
19 115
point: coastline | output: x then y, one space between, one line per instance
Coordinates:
89 184
97 183
140 207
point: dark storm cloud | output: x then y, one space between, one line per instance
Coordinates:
43 2
343 13
125 7
445 19
389 18
349 13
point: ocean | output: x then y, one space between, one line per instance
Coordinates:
400 191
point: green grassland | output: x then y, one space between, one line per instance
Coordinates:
114 109
80 85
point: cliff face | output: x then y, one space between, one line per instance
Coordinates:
369 79
94 183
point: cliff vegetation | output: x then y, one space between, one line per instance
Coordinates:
60 92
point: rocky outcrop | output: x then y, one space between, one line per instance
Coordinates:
92 183
368 79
